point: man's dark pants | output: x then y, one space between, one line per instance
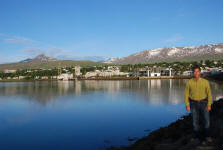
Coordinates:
201 118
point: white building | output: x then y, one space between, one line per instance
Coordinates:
113 68
215 62
109 73
21 77
54 77
106 73
155 74
91 74
124 74
44 77
37 77
187 73
65 76
9 71
77 70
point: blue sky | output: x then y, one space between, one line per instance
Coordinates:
106 28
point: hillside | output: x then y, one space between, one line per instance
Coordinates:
47 65
46 62
212 52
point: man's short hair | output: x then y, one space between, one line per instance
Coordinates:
196 67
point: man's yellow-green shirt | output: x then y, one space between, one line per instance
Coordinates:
197 90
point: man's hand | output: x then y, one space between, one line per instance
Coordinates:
188 108
208 108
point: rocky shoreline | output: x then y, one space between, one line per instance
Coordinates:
177 135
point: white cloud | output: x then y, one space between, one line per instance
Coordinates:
19 40
32 48
174 39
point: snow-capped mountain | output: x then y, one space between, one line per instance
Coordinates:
214 51
110 60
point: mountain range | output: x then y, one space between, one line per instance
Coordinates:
40 58
171 54
44 58
46 62
190 53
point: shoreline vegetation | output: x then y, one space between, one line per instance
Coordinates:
177 135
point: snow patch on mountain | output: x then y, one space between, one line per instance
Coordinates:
110 60
219 50
173 51
173 54
189 47
155 52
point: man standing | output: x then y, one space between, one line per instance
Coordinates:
198 99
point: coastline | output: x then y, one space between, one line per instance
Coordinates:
178 134
216 78
24 80
101 78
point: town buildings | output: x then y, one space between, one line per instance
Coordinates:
65 76
111 71
9 71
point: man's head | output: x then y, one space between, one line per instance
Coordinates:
197 71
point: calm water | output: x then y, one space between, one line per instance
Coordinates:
87 115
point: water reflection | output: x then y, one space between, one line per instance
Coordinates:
149 91
67 115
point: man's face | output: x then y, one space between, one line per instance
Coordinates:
197 73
